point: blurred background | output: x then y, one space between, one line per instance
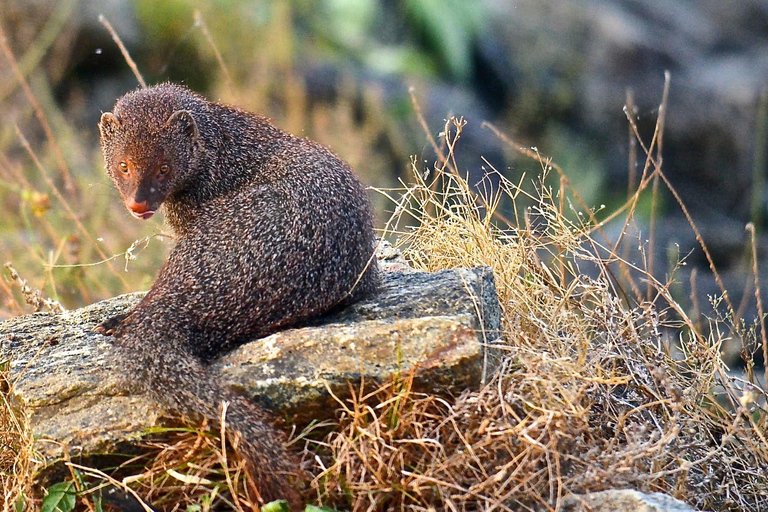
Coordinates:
554 75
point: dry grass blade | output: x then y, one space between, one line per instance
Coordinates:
101 475
69 183
199 22
127 56
658 139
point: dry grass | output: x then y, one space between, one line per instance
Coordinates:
593 393
183 467
16 445
176 468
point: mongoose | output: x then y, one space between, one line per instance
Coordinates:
272 231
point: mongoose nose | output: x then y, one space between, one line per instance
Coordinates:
139 210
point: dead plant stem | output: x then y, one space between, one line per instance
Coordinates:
127 56
69 183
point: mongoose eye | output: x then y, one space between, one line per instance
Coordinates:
123 168
163 170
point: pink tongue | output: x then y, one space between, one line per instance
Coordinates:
143 215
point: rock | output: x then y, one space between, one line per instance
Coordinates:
625 500
436 324
390 258
65 378
417 320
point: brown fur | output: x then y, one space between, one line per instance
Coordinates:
273 231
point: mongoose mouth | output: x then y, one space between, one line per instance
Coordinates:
142 215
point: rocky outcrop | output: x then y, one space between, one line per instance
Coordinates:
441 326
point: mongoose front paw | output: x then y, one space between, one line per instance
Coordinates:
109 326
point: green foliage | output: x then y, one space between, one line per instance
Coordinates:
431 38
450 28
168 27
21 501
205 503
60 498
582 163
352 20
312 508
168 20
282 506
276 506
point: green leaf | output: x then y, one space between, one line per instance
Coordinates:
20 502
451 27
60 498
312 508
276 506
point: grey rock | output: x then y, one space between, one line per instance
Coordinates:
389 257
439 325
624 500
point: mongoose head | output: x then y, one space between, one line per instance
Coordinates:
150 149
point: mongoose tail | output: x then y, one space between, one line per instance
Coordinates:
183 384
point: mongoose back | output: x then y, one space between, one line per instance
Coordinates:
272 231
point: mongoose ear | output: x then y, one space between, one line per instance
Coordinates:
183 121
109 124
